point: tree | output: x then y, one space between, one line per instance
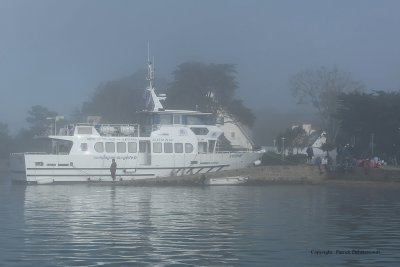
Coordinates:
241 112
321 88
41 122
207 87
371 120
117 101
197 86
295 138
5 141
38 118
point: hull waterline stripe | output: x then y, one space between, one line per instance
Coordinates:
130 168
185 170
89 175
18 171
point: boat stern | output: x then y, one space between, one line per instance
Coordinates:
18 167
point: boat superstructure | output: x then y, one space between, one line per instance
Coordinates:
165 143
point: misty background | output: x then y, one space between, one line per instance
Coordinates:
56 53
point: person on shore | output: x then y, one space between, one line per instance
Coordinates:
113 169
339 155
310 154
329 164
318 162
366 166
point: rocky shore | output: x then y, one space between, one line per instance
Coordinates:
304 174
263 175
383 174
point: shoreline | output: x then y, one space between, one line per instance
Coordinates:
277 175
269 175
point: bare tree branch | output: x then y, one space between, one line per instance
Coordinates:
321 89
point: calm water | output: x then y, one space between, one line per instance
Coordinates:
94 225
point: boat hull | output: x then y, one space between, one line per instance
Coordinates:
50 168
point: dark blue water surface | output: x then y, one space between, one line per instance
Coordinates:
272 225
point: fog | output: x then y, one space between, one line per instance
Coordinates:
55 53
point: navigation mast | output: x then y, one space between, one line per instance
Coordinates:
153 102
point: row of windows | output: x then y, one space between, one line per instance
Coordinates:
170 148
110 147
184 119
132 147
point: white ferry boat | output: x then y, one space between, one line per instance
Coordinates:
165 143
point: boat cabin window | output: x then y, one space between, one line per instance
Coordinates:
202 147
132 147
61 147
178 147
198 120
163 119
84 146
144 146
121 147
110 147
177 119
211 146
144 119
168 148
188 148
157 147
199 130
99 147
84 129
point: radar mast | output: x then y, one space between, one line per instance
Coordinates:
153 102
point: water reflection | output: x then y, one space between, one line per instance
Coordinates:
106 223
11 221
365 217
94 225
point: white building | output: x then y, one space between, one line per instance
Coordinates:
315 139
238 134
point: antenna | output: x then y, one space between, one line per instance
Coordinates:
150 68
152 100
148 51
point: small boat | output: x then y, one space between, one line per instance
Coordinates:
233 180
45 181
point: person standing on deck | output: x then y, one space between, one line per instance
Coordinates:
113 169
310 154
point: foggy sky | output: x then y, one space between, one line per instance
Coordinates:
55 53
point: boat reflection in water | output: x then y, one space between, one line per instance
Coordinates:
97 225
